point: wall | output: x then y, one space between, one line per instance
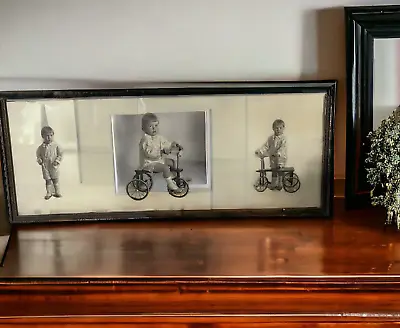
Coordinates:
98 43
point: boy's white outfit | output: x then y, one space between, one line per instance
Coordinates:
49 156
276 149
151 153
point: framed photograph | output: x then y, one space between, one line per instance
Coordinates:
373 77
193 150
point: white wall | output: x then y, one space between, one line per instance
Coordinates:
97 43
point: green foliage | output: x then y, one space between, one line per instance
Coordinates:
383 164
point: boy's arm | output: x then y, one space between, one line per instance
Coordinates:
176 145
263 150
150 152
282 150
167 145
38 156
59 157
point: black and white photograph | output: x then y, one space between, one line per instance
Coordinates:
275 149
61 150
168 152
285 150
160 153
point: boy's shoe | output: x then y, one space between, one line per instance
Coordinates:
57 191
171 184
49 192
279 184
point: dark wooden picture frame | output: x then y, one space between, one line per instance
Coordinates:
363 25
325 89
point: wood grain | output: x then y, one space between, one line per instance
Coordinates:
188 322
254 273
351 243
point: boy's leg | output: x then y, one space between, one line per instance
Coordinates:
56 185
171 164
273 185
274 179
280 176
49 184
279 181
164 168
49 189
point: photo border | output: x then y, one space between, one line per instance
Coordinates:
327 87
208 138
363 25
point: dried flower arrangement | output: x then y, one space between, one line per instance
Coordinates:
383 167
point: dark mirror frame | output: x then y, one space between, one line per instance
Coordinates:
363 25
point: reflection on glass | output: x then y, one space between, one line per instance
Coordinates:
212 153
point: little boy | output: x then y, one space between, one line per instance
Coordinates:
49 156
153 148
276 149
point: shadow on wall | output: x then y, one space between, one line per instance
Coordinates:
26 83
324 56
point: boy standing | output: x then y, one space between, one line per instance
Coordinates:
276 149
49 155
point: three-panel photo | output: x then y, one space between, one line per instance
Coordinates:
252 149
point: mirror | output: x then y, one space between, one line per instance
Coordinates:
373 77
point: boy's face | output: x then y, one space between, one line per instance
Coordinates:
151 128
278 129
48 137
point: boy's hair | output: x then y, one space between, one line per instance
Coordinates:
148 117
46 130
278 122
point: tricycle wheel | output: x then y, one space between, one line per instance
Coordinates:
183 188
137 189
291 182
261 184
148 180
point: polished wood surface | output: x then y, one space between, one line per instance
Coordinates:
351 243
189 322
258 273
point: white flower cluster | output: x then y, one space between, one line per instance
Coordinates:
383 166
